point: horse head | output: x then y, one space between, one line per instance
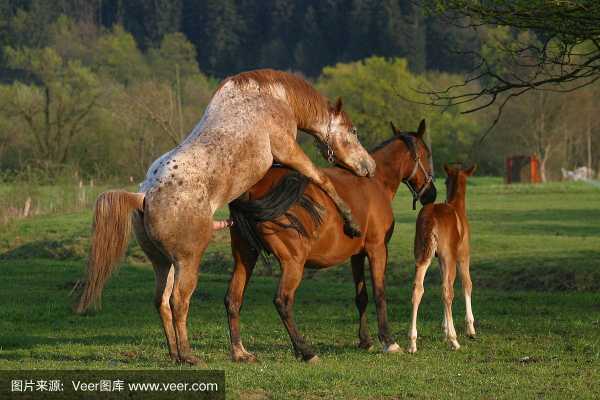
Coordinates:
342 145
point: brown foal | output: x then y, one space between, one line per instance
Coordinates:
443 230
301 238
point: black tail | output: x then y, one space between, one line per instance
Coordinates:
247 214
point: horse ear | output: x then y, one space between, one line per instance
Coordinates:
395 130
338 105
447 169
470 171
422 129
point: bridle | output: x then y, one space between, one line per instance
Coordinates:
330 153
327 141
417 193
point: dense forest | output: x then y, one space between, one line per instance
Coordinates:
234 35
99 88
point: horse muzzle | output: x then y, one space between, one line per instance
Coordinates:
429 195
367 168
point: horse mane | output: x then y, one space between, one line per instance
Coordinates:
408 139
306 102
247 214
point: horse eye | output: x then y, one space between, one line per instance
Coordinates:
354 131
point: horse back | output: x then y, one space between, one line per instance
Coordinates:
327 244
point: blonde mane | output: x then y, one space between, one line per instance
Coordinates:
307 104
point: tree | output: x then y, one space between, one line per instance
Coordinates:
118 56
175 53
370 90
58 107
564 48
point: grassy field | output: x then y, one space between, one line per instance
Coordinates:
535 267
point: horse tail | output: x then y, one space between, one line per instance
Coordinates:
246 215
111 230
425 244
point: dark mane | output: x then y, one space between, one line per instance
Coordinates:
247 214
408 139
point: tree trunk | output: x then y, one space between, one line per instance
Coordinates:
589 143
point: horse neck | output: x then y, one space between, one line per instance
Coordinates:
393 165
310 110
457 199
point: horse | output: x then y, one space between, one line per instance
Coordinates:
310 234
251 120
443 230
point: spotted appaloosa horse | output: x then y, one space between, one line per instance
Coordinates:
443 230
251 121
311 234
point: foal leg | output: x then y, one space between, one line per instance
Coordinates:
284 302
417 294
362 299
444 321
377 262
449 274
465 276
245 260
292 155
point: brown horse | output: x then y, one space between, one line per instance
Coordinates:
443 230
251 120
310 235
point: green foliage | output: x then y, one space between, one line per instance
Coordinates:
93 101
375 92
55 109
175 53
118 56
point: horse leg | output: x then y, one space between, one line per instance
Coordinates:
362 299
418 289
444 321
284 302
164 273
449 274
377 263
185 281
245 260
465 276
292 155
187 255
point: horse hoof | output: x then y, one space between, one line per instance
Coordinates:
368 346
453 344
392 348
313 360
412 347
189 359
247 358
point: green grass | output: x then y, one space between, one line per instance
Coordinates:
536 272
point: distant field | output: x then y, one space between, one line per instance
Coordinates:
536 273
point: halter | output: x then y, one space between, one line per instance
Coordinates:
330 153
327 141
417 194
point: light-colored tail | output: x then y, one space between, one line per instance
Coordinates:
111 230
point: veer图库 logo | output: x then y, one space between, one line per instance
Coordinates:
142 384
